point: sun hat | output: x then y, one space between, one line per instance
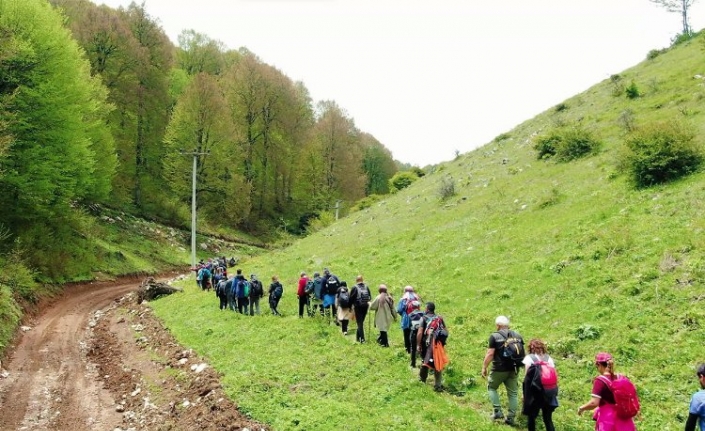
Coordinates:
603 357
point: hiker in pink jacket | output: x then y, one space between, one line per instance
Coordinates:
602 398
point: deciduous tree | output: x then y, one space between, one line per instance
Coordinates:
681 7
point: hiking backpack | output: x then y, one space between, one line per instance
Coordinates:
415 319
309 287
278 291
625 397
436 327
256 289
512 348
547 373
333 283
344 298
363 295
412 304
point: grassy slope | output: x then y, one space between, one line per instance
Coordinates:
569 251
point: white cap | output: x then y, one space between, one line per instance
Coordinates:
501 321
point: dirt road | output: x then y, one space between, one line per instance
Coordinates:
90 362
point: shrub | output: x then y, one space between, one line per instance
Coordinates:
402 180
655 53
627 121
561 107
502 137
366 202
632 91
587 332
566 144
447 188
660 152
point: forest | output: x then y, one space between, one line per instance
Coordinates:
98 108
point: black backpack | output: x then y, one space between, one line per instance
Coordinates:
512 348
309 287
278 291
344 298
256 290
363 295
333 284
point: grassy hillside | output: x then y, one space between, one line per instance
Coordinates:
570 251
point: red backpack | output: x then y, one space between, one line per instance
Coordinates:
549 376
625 397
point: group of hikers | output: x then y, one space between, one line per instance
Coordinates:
613 398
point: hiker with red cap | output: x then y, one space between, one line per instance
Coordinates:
613 398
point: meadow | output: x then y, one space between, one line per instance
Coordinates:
572 252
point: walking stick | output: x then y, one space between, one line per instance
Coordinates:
369 320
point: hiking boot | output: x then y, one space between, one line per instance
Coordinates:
497 415
345 333
509 421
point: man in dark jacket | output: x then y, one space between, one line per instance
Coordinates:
360 298
330 286
240 294
276 290
256 293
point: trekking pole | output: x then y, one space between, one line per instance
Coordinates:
369 320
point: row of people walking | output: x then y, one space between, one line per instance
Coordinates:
425 335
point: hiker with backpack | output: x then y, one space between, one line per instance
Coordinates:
505 351
404 308
430 339
696 412
241 287
276 291
385 314
316 293
540 388
256 293
360 297
613 397
415 315
329 288
344 304
221 293
302 294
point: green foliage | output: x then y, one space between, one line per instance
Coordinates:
322 221
446 189
402 180
366 202
587 332
561 107
632 91
502 137
566 144
655 53
661 152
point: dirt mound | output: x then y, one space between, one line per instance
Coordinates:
158 384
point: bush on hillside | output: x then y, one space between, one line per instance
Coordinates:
366 202
655 53
632 91
402 180
566 144
661 152
447 188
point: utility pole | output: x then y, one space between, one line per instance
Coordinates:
337 209
195 155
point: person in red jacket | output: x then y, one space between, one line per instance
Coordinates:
301 293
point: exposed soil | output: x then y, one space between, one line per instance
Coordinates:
96 360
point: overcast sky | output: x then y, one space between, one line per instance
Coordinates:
429 77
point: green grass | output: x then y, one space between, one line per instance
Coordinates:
570 251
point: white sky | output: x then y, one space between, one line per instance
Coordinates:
429 77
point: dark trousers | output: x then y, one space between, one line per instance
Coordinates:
344 323
414 345
423 375
547 413
223 302
273 303
242 304
302 304
407 340
360 314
